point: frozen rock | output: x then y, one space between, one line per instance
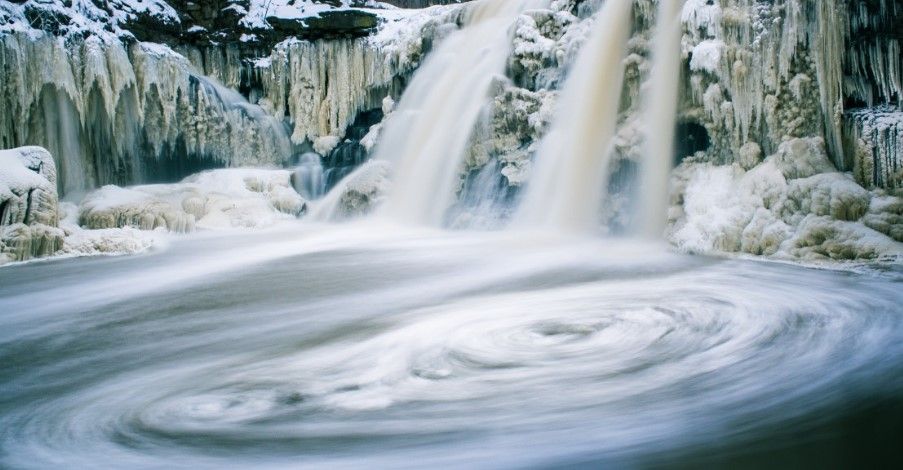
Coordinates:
113 207
885 215
21 242
750 155
825 238
209 200
826 194
29 212
324 145
356 194
801 158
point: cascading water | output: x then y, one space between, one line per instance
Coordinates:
572 163
483 200
427 134
308 179
61 130
659 116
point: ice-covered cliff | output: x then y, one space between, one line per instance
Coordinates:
115 110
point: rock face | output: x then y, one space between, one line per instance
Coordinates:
29 208
329 24
258 23
421 3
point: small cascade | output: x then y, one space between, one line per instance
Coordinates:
308 179
426 137
239 115
571 166
60 129
659 119
483 199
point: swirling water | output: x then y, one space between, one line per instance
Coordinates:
366 346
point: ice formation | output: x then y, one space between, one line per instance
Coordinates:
875 137
113 113
792 205
118 220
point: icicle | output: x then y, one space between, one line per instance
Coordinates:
105 111
875 136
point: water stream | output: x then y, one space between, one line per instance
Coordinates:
426 136
571 166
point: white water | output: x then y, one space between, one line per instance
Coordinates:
366 346
425 138
659 119
571 167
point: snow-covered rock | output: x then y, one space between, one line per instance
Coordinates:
214 199
29 212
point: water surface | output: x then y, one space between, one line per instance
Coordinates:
366 346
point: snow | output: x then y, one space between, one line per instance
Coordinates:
259 10
706 56
116 220
15 177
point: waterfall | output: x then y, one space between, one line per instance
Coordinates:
571 165
426 136
659 116
60 128
308 179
